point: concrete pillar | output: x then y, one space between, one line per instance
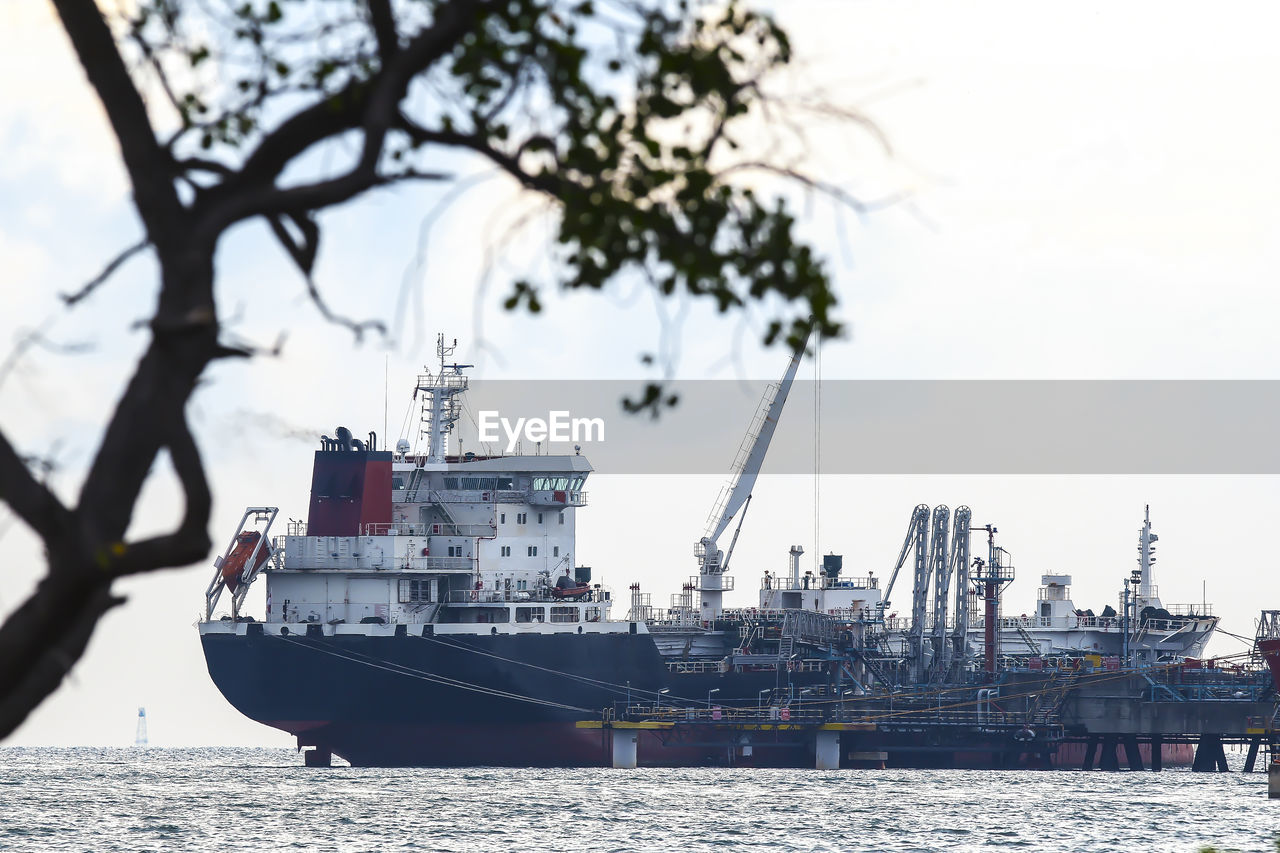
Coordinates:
1210 755
1090 752
1273 781
1108 761
624 748
1251 759
1132 754
827 743
1157 754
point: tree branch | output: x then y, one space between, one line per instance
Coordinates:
383 21
70 299
154 193
543 182
189 543
42 640
370 105
30 499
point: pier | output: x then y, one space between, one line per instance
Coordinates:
824 738
1119 720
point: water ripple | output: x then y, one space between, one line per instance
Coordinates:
233 800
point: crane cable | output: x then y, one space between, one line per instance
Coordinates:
817 450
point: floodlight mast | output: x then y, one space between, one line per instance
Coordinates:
712 562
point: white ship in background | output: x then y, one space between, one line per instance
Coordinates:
1057 627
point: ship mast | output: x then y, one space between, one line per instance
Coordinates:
1147 591
441 405
711 560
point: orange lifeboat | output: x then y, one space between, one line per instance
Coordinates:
233 565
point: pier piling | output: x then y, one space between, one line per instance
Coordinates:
1090 753
1132 754
1210 755
1109 760
827 750
624 748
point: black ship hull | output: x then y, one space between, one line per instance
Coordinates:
466 699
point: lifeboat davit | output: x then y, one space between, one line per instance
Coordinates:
233 565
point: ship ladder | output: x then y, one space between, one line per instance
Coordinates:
1049 701
439 501
1029 640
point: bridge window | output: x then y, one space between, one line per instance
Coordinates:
531 614
564 614
413 591
486 484
547 484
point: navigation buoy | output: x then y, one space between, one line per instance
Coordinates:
140 737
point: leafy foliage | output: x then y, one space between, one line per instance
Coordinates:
624 114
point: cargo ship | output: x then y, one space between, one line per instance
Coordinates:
431 610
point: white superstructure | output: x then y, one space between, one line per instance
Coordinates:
456 539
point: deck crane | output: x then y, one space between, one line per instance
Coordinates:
712 562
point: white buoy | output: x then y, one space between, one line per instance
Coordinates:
140 739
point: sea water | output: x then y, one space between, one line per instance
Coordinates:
259 799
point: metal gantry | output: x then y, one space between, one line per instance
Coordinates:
959 651
916 537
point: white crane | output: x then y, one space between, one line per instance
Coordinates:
712 562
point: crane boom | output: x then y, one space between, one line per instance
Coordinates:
711 563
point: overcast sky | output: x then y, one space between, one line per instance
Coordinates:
1092 194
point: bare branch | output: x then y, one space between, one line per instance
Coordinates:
825 187
302 248
384 29
190 542
71 299
369 105
42 640
271 202
357 327
542 182
155 195
31 500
